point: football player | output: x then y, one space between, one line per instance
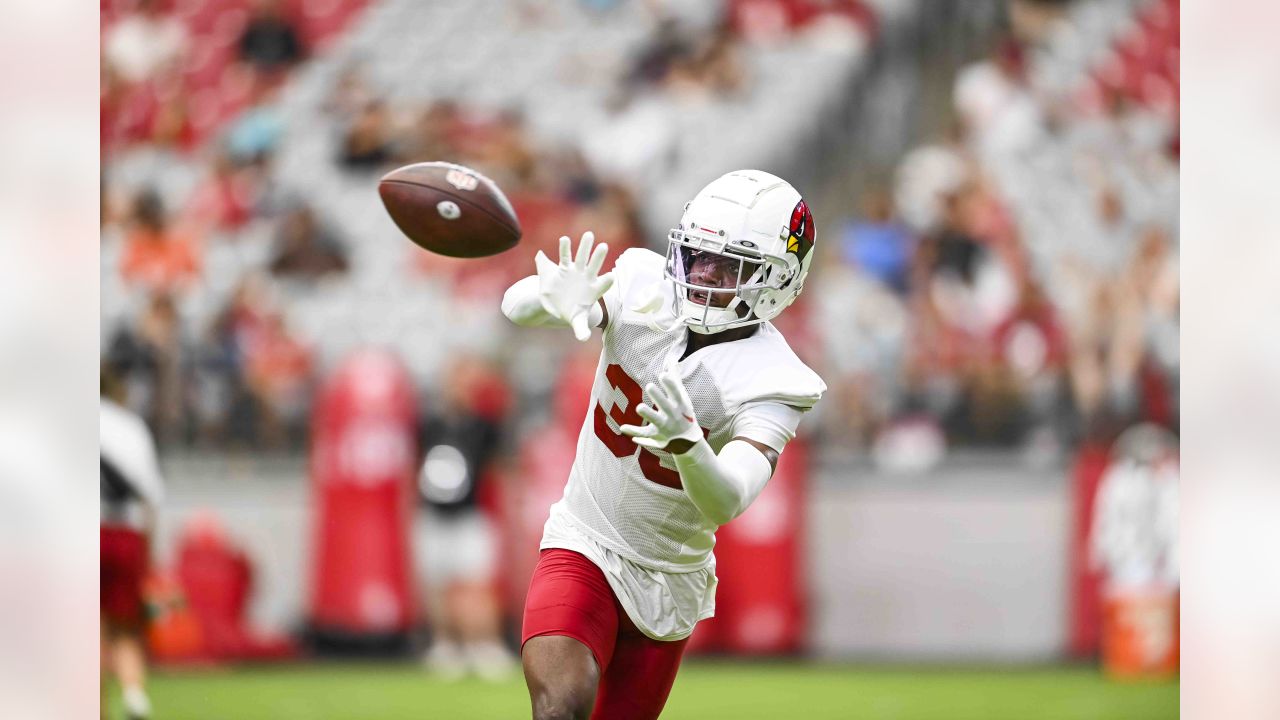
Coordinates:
695 396
131 490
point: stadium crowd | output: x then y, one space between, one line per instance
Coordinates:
1018 283
1014 285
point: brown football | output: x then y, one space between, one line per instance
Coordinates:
450 209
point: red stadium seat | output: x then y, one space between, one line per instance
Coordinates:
208 61
198 15
214 27
320 24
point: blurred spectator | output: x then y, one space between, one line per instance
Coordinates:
613 216
503 148
112 97
256 131
1156 270
156 257
219 400
924 179
434 134
144 42
306 249
1154 276
955 254
879 244
367 143
1031 349
995 103
350 93
1031 340
568 169
864 352
713 68
256 372
687 59
224 364
278 371
461 440
1106 353
226 198
170 123
150 359
270 41
652 62
688 17
156 112
970 266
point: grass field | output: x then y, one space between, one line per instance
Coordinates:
704 690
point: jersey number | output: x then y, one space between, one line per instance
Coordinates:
622 445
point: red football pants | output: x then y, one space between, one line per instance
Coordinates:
124 562
569 596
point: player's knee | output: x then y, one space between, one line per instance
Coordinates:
568 701
568 696
562 676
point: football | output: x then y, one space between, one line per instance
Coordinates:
450 209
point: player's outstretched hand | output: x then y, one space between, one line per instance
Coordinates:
569 289
670 417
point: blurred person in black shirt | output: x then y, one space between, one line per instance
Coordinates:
456 544
270 42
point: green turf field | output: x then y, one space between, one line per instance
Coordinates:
741 691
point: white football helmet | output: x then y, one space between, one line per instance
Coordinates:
748 236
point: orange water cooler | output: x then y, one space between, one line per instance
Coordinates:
1140 633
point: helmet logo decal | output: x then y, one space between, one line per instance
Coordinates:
802 231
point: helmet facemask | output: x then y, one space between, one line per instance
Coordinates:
720 285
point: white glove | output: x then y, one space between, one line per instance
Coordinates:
569 290
669 418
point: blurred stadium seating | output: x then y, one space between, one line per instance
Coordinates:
1058 168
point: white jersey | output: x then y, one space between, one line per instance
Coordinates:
126 445
624 506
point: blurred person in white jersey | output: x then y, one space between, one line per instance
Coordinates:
131 491
696 394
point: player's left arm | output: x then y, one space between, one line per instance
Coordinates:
722 485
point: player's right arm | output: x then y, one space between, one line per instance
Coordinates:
564 294
720 485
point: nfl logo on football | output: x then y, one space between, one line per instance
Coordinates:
461 180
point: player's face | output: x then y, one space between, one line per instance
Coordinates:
716 271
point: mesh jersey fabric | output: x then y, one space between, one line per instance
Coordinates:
623 506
